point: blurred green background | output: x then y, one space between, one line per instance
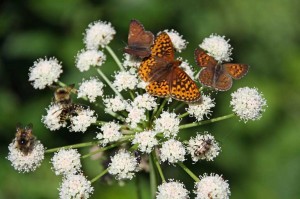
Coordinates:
260 159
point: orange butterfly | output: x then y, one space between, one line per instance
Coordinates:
217 75
165 77
139 40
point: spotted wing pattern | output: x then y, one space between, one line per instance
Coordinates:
139 40
218 75
165 77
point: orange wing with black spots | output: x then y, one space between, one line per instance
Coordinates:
165 77
218 75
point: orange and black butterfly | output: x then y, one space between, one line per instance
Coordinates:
218 75
139 40
165 77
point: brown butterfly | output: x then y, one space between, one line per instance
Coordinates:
139 40
218 75
165 77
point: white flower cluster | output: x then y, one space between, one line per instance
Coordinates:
110 133
91 89
66 162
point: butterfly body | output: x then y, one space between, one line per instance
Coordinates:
218 75
139 40
165 77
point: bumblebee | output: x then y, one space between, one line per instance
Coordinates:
62 97
25 140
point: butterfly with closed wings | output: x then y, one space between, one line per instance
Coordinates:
139 40
218 75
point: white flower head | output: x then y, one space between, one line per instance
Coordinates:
212 187
131 61
203 147
248 103
87 58
115 104
168 123
52 119
146 141
125 80
44 72
145 101
91 89
26 163
97 34
75 186
172 151
203 109
135 115
187 68
82 120
110 133
142 84
66 161
172 190
123 165
178 42
217 47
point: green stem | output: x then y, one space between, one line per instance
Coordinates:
183 115
156 162
184 126
153 183
160 109
188 171
109 83
114 56
99 176
80 145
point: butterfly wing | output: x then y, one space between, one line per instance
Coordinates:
236 71
162 53
203 59
183 88
139 40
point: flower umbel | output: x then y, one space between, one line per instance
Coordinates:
172 190
248 103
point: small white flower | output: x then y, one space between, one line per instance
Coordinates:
87 58
146 141
123 165
144 101
168 124
188 69
91 89
125 80
26 163
44 72
75 186
97 34
203 109
172 190
212 187
115 104
131 61
178 42
142 84
52 119
217 47
172 151
110 133
135 116
82 121
66 161
248 103
203 147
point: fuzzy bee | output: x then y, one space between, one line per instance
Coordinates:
24 138
62 97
